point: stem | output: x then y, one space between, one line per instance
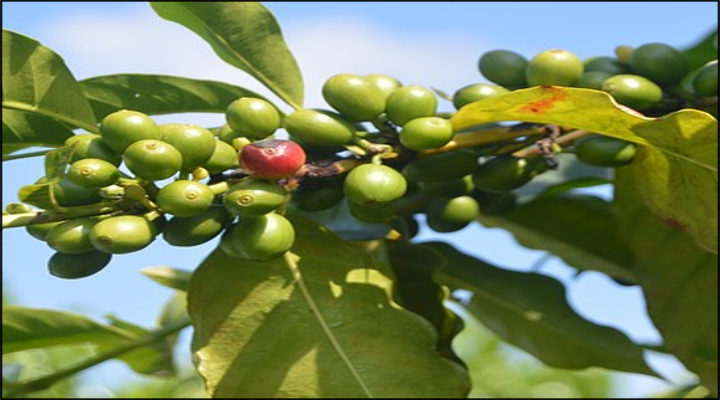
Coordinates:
484 137
49 380
31 218
24 155
564 140
219 188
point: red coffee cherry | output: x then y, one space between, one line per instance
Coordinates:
272 159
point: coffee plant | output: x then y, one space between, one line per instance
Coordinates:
317 287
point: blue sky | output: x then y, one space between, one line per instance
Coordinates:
432 44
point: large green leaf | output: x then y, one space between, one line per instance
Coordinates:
316 323
679 280
414 265
530 311
31 328
577 228
245 35
159 94
676 163
22 129
36 80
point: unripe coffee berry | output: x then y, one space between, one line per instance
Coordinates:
184 198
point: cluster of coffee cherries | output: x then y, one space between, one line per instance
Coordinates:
380 149
653 78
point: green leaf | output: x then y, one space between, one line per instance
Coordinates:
31 328
676 163
679 280
37 195
414 265
22 129
530 311
167 276
317 324
56 162
155 359
159 94
577 228
36 80
245 35
702 51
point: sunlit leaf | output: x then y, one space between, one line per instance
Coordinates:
317 323
245 35
676 164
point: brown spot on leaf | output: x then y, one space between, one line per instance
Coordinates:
541 106
675 224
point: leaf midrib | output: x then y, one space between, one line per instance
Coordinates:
297 275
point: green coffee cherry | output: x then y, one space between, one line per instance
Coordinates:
478 91
374 185
449 215
70 194
72 237
318 128
706 81
554 67
184 198
386 84
592 80
659 62
93 173
371 215
125 127
226 134
426 133
609 65
503 173
196 230
409 102
605 151
252 117
41 231
261 238
633 91
224 157
442 167
195 143
495 203
153 160
89 145
623 53
504 67
75 266
254 197
316 198
122 234
448 189
354 97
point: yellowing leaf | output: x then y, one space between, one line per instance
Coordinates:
676 166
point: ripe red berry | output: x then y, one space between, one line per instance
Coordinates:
272 159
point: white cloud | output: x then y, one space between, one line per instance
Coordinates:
141 42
